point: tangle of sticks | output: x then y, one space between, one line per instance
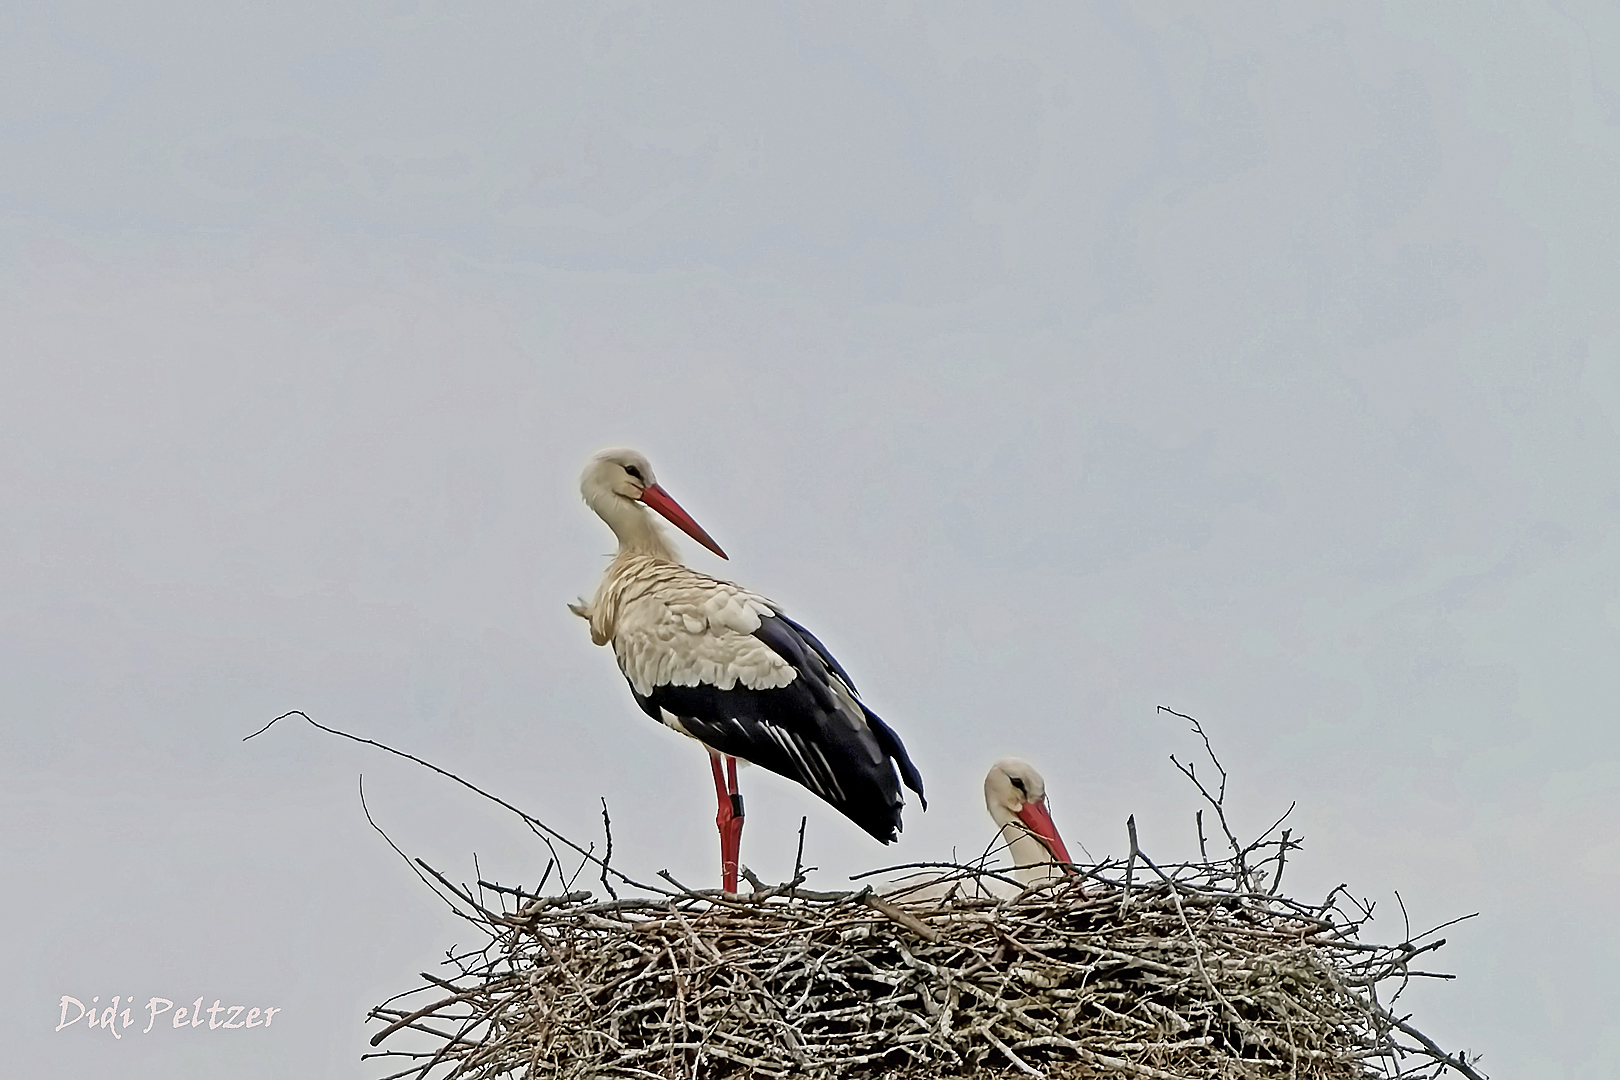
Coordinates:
1126 968
1191 974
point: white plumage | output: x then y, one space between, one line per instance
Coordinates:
669 624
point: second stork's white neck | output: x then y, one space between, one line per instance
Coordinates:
1032 861
635 527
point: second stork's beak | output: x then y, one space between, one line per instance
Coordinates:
670 510
1039 820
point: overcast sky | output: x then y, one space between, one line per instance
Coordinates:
1053 363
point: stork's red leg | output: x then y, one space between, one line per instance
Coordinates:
734 830
729 819
736 799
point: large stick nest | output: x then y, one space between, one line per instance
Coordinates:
1182 975
1126 968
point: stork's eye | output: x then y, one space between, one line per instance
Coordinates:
634 471
1019 784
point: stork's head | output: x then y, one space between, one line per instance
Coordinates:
621 472
1015 795
615 478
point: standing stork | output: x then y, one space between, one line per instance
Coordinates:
726 667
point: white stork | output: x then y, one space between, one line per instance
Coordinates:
1015 795
726 667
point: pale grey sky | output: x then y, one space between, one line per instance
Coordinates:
1052 363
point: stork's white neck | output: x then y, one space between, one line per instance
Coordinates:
1034 863
633 524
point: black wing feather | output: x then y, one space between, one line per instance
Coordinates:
885 734
896 749
821 651
805 731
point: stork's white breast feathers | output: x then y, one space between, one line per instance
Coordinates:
671 626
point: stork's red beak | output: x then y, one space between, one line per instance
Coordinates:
1035 815
657 498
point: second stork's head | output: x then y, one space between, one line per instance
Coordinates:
618 484
1015 795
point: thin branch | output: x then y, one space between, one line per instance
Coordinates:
532 821
607 856
798 855
1130 865
366 810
